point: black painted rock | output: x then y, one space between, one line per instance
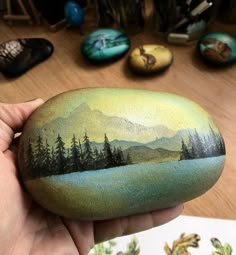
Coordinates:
18 56
102 153
105 45
150 59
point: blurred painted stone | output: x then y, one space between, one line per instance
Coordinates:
218 48
105 45
102 153
74 14
19 55
150 58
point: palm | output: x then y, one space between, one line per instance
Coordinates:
26 228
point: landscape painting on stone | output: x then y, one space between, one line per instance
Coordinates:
90 136
102 153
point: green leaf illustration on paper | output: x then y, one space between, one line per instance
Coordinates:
103 248
221 249
181 245
107 248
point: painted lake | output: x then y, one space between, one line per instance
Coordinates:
137 188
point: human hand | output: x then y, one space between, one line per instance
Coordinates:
28 229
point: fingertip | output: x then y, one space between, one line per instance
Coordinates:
36 101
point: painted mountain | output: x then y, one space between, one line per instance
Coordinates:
96 123
71 144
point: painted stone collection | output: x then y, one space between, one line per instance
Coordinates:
18 56
218 48
149 58
105 45
102 153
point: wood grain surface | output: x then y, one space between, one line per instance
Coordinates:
214 89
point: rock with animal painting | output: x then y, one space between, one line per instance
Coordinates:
150 58
102 153
218 48
105 45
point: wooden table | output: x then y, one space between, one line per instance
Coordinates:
213 89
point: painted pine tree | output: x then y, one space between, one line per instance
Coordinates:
198 144
108 155
53 163
43 160
39 155
96 157
184 154
74 159
88 160
47 160
208 145
60 156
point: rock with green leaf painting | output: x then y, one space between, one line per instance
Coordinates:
102 153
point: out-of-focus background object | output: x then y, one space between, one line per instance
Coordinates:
20 10
74 14
228 11
106 13
183 21
179 20
52 12
2 6
129 15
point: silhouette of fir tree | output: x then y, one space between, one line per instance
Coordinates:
39 155
60 156
53 161
30 162
210 145
184 154
108 155
88 160
43 160
74 159
47 160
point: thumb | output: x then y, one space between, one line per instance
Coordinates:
12 119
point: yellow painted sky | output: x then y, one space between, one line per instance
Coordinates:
138 106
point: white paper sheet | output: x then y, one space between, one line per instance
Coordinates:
152 242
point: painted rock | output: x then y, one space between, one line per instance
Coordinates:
20 55
102 153
147 59
74 14
105 44
218 48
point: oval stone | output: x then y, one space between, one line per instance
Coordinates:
218 48
74 14
102 153
20 55
150 58
105 44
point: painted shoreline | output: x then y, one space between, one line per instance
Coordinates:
116 192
